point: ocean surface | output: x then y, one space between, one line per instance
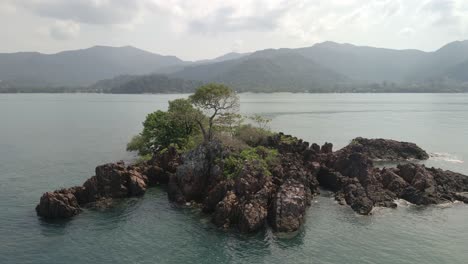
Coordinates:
53 141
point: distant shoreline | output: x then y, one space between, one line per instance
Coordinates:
285 92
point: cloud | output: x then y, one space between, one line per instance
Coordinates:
7 8
443 12
407 32
86 11
205 16
168 25
64 30
313 22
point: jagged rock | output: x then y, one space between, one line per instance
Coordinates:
58 204
136 184
90 193
288 207
252 215
246 205
386 149
156 175
111 181
167 160
327 148
354 165
226 210
330 179
173 190
193 176
461 196
355 196
215 195
315 147
392 181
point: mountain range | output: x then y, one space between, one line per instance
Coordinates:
323 67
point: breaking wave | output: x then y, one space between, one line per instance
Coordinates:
446 157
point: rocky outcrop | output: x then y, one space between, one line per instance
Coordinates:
357 183
196 173
159 169
386 149
245 204
112 180
58 204
278 195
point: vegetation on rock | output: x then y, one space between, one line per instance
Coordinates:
210 113
215 100
264 158
176 127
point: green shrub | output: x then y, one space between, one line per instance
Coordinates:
290 140
252 136
265 158
176 127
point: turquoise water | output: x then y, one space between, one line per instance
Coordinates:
53 141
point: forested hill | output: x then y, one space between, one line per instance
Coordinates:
79 67
324 67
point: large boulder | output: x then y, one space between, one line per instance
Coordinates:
288 207
326 148
156 175
112 180
215 195
252 215
58 204
245 207
355 196
226 211
136 184
194 175
354 165
330 179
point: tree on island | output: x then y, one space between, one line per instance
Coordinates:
210 113
216 101
162 129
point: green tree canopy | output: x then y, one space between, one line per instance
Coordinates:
162 129
214 100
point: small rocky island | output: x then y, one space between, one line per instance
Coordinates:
247 177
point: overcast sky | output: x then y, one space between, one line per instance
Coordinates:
199 29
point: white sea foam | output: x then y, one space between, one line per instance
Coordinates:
446 157
402 203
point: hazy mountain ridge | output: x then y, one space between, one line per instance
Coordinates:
323 67
79 67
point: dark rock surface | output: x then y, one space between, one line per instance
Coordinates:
288 207
195 173
245 204
58 204
386 149
112 180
